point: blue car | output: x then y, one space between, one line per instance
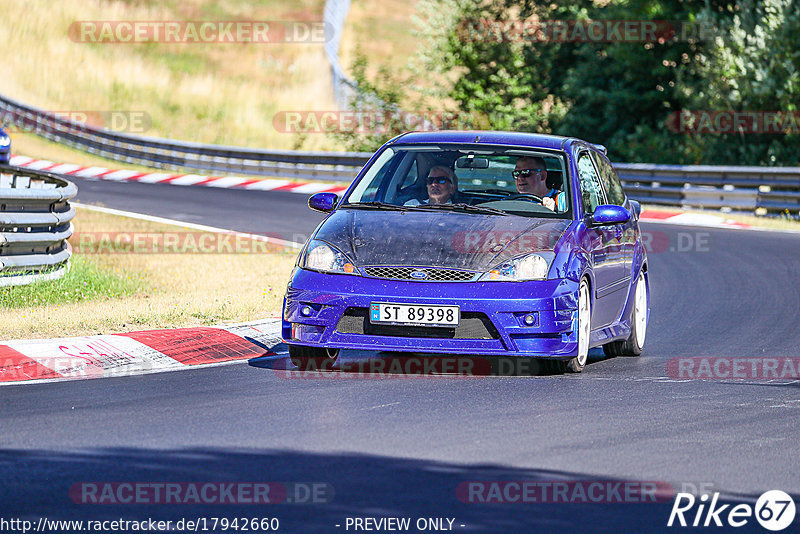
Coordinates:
474 244
5 147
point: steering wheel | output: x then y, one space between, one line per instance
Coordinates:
525 196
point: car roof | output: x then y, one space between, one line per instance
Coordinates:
553 142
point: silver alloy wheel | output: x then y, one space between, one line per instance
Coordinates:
584 323
640 310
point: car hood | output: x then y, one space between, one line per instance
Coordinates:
437 239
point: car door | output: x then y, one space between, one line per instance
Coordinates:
604 244
616 195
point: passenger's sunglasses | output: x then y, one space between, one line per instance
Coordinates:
524 173
439 180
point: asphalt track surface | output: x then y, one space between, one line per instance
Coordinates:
401 446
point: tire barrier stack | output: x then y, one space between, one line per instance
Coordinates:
35 223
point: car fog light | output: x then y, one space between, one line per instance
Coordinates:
530 319
306 311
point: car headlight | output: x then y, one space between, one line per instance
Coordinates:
326 258
528 267
5 141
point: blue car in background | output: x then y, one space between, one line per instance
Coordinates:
5 147
474 244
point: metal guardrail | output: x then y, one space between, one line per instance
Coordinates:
765 190
35 223
169 154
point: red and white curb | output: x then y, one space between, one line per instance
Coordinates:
132 353
223 182
690 219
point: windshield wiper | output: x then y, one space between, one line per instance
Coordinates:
377 205
465 207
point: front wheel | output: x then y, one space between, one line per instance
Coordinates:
313 358
635 342
578 362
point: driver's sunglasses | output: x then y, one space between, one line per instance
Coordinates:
441 180
524 173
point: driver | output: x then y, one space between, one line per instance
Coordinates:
530 177
441 186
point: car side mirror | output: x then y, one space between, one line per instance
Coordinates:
324 202
609 214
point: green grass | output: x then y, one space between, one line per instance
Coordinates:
86 280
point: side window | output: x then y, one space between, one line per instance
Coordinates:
610 180
591 192
411 176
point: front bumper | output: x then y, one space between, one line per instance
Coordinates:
492 315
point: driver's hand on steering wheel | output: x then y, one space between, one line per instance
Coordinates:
549 203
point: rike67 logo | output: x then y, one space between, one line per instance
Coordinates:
774 510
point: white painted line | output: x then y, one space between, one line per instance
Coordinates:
193 226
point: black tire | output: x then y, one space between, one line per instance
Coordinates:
577 363
635 342
552 367
313 358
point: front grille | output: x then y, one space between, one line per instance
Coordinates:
431 274
473 325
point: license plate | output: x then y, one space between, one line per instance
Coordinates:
414 314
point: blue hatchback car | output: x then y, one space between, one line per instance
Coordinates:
474 244
5 147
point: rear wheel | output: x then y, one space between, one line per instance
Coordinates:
635 342
313 358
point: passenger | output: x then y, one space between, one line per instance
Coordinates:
441 185
530 176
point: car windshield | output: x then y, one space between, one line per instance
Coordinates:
472 178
